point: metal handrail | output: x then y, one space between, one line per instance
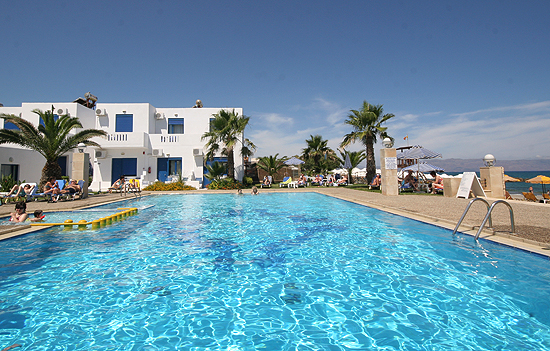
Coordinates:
488 215
466 211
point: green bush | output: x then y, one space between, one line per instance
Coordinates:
225 184
8 182
161 186
247 181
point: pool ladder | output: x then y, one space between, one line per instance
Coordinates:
487 216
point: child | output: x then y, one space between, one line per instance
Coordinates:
19 215
255 190
38 216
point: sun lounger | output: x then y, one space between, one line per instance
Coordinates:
531 197
286 181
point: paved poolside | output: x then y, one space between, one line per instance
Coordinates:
532 220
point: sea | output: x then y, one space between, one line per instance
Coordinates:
516 188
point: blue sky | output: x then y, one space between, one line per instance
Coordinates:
463 78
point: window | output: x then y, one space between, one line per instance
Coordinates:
123 167
10 170
175 125
211 122
55 118
124 123
10 126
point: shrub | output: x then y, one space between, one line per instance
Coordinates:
161 186
247 181
225 184
7 183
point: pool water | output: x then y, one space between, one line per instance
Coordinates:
292 271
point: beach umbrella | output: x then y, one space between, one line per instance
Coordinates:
347 162
424 168
540 179
293 161
507 178
418 153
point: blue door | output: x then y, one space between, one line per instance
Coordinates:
123 167
168 167
62 161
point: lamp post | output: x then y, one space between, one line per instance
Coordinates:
489 160
492 178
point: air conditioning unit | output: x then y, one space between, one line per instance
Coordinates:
157 152
60 112
159 115
197 152
100 153
100 112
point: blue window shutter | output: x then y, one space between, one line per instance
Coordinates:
124 123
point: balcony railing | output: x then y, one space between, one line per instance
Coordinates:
126 140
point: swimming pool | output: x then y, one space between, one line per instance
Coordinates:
292 271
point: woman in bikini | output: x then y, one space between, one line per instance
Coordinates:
438 182
20 214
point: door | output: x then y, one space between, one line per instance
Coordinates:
168 167
123 167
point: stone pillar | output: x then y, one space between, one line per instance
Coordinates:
492 181
81 170
388 160
450 186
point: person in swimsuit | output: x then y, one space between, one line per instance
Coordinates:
51 187
437 183
20 214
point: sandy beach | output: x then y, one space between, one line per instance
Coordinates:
532 220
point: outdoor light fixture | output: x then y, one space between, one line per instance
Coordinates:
81 147
387 143
489 160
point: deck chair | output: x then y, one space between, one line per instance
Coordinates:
405 187
286 181
530 197
34 195
21 194
79 193
61 184
132 186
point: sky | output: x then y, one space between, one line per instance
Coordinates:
463 78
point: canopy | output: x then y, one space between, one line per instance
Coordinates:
418 153
293 161
507 178
540 179
423 167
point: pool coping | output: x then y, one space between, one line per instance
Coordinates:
487 234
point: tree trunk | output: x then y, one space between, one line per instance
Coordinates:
371 162
230 164
50 170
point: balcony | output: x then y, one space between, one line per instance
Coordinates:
124 140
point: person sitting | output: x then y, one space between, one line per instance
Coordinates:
376 182
302 181
266 182
72 188
51 187
117 185
318 180
437 183
343 180
410 180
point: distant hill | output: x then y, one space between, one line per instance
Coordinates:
472 165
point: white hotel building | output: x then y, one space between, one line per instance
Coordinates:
143 142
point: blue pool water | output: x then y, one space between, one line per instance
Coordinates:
292 271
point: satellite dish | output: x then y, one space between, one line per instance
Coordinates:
60 111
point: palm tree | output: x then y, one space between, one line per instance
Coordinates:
271 164
226 129
215 171
355 157
51 139
367 126
316 153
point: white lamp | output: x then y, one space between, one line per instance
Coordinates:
81 147
387 143
489 160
